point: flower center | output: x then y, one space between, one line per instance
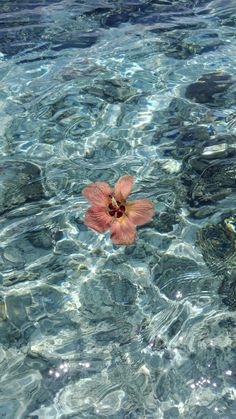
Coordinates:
116 209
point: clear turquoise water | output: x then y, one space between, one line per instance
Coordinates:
90 91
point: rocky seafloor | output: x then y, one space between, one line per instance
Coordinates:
91 91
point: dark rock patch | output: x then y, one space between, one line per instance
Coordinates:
228 292
216 243
41 239
116 19
218 246
20 183
183 47
113 90
209 182
191 139
164 222
75 40
210 89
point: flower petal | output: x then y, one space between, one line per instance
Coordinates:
140 211
123 231
123 187
97 193
97 218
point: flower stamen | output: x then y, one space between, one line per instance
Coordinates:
114 202
116 209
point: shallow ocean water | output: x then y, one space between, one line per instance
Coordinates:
91 91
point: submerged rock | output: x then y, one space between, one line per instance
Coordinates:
75 39
121 290
219 147
216 243
218 246
208 182
202 212
165 222
209 169
210 88
18 31
108 295
41 239
192 139
20 183
113 90
183 47
178 277
187 125
19 381
228 292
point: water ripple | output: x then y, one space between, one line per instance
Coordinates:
90 91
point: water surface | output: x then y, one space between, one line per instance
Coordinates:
90 91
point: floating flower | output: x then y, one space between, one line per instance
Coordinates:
110 210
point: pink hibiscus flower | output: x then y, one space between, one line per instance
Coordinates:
110 210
